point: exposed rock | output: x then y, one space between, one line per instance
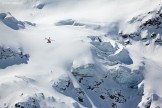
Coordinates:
150 22
40 6
72 22
30 103
10 57
13 23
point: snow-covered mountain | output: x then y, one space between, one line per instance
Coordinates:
80 53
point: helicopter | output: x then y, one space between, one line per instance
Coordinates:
49 40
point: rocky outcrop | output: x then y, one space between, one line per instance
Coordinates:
9 57
72 22
149 26
13 23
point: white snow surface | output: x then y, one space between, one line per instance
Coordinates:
86 65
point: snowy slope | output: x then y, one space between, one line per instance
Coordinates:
105 54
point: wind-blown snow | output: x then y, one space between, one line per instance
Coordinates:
104 53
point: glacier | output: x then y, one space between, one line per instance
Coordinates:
105 54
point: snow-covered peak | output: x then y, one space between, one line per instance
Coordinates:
79 53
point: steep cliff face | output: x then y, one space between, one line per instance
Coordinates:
147 28
148 33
